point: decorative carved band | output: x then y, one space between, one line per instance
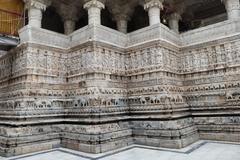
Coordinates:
154 3
39 4
94 3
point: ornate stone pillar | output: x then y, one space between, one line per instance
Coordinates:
94 11
69 16
122 22
233 8
154 7
69 26
35 9
175 16
173 21
122 10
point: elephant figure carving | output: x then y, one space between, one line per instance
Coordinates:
153 99
229 95
119 102
142 100
21 104
10 104
48 104
158 99
83 102
75 103
38 104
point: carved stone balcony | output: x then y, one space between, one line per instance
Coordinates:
151 33
44 37
210 33
98 33
107 35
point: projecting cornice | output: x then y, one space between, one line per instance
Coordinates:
153 3
94 3
40 4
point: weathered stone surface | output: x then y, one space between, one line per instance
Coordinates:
97 89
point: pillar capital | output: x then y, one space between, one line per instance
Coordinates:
154 10
175 16
94 4
153 3
68 13
122 11
179 8
37 4
121 16
69 16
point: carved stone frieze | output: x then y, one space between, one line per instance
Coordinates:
101 89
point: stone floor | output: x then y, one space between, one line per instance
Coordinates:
202 150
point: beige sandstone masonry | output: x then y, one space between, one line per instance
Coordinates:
97 89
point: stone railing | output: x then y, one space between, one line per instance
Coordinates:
98 33
210 33
151 33
44 37
107 35
213 20
111 36
81 36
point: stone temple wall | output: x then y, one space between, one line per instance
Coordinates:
32 98
161 116
212 87
97 89
98 94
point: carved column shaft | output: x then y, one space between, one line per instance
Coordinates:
35 17
94 11
69 16
233 8
69 26
174 22
154 15
122 25
35 9
94 15
122 22
154 7
122 10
